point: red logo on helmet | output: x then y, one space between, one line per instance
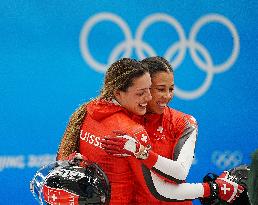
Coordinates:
55 196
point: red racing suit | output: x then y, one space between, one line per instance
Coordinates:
173 136
101 120
94 120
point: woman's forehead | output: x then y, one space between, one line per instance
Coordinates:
142 82
162 76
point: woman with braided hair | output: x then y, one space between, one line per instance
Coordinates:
126 92
127 159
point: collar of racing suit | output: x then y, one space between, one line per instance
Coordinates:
100 109
150 118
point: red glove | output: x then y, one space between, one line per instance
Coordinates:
125 146
228 189
224 188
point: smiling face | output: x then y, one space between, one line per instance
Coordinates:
162 91
135 98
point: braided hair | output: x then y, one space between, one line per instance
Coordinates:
120 76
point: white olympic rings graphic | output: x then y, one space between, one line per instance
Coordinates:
180 46
226 159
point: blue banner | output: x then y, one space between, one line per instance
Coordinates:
54 55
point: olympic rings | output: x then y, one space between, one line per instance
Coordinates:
226 160
180 46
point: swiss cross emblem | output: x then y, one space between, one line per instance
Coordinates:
57 196
160 129
225 189
54 197
144 138
159 134
141 135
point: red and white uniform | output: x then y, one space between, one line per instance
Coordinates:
154 179
173 136
149 179
101 120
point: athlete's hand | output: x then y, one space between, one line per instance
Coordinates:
224 188
125 146
228 189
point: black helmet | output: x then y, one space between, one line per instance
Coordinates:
67 182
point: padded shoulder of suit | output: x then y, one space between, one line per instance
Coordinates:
124 122
172 115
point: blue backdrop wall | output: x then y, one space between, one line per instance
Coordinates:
54 53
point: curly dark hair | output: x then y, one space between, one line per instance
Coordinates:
156 64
